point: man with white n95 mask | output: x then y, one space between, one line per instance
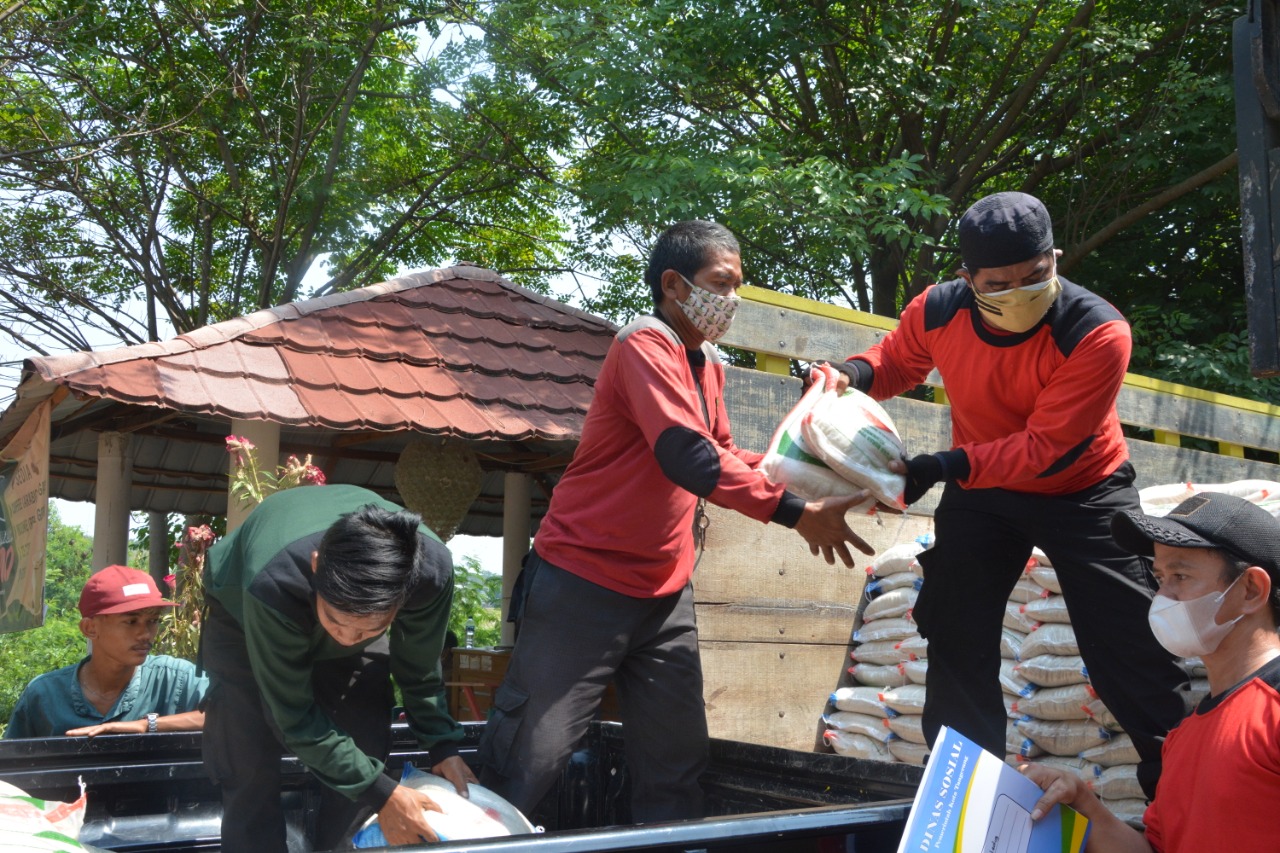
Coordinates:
1217 558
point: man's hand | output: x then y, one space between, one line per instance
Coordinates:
456 771
842 379
117 727
1106 831
923 473
823 526
401 817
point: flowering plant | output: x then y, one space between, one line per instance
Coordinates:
181 636
250 483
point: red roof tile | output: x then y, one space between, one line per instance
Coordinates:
458 352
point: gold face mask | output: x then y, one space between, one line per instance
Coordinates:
1018 308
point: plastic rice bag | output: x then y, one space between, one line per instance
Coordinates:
831 444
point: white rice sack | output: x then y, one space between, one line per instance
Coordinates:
796 465
908 752
859 700
1118 750
855 745
881 652
1051 608
1100 714
1046 577
898 628
1054 670
1011 643
1195 667
1008 706
1013 683
1129 811
855 437
916 671
1158 500
908 727
907 699
30 824
1199 690
1015 619
1051 638
896 559
915 648
878 676
1118 783
1057 703
887 605
1074 765
898 580
1027 590
1040 558
863 724
1016 744
1064 737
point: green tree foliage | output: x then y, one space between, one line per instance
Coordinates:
68 560
170 165
477 595
839 140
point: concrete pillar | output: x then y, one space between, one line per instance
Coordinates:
158 558
265 435
111 500
517 512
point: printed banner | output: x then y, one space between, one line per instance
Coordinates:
970 801
24 523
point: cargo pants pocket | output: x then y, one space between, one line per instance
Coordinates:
505 719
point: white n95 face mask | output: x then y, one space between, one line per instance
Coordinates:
1188 628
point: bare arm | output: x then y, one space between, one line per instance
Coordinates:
191 721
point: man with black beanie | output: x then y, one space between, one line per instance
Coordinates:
1032 364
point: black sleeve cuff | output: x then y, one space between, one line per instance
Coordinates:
443 751
861 375
789 510
955 464
377 794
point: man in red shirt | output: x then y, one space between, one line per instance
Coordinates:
1217 558
1032 364
606 591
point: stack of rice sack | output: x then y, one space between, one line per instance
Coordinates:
879 716
1158 500
1055 717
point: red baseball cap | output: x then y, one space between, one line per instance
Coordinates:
119 589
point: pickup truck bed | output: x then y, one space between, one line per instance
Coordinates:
149 793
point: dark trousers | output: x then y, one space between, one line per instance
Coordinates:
573 637
983 540
242 744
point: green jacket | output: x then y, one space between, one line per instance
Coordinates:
261 573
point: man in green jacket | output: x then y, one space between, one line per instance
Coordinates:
301 597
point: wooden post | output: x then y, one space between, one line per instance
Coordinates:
265 435
111 500
158 558
517 491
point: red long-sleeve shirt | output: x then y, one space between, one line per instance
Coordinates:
1034 412
622 514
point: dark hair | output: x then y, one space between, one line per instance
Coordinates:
684 247
1235 567
370 560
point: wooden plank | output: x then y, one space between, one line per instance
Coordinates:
781 623
760 693
1157 465
793 334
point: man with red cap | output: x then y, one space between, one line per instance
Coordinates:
1217 558
1032 365
119 687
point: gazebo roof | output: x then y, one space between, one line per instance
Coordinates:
353 377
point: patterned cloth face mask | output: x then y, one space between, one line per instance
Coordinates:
710 313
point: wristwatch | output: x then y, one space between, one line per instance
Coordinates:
153 722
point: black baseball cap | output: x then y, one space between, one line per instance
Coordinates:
1207 520
1004 229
